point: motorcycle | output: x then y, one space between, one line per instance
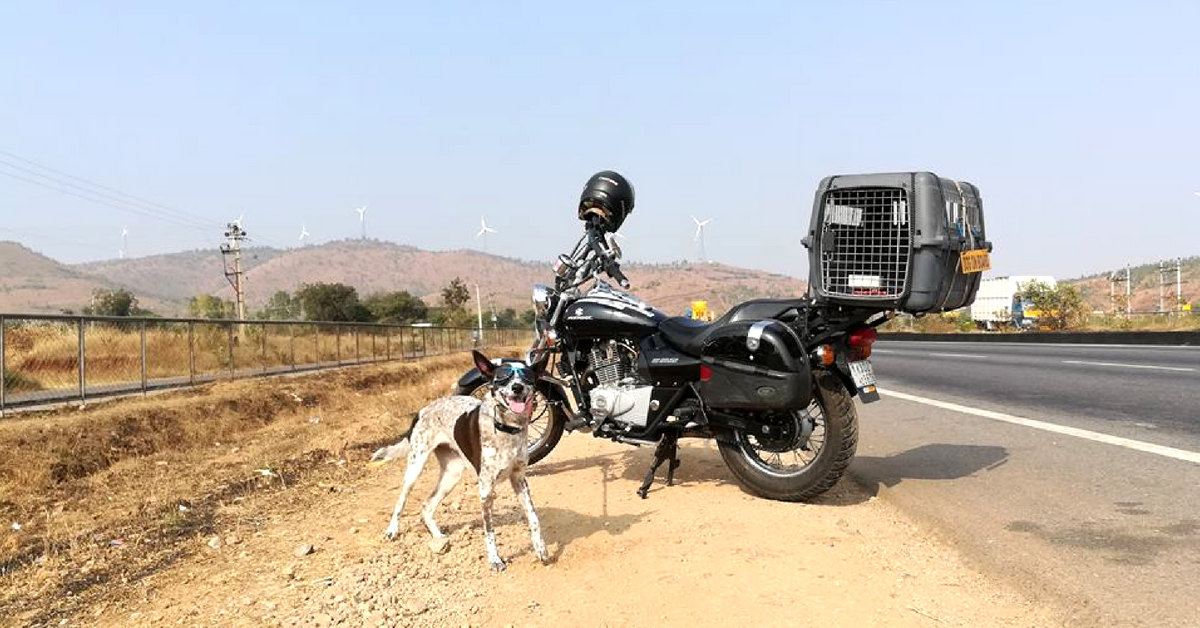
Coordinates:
772 381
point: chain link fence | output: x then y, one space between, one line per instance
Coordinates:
50 359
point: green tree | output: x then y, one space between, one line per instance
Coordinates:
456 295
331 302
506 318
280 307
1058 307
209 306
396 307
527 317
118 302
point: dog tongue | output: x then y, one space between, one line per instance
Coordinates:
520 407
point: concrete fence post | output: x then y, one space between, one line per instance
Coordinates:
142 334
82 364
232 366
191 327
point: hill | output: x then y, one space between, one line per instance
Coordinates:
167 281
1095 288
31 282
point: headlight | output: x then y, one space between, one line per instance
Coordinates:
541 300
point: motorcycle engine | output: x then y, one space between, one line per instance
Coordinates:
618 393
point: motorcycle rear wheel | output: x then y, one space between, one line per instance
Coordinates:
784 471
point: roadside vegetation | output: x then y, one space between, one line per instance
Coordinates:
1055 308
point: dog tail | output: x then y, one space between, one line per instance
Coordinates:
386 454
399 450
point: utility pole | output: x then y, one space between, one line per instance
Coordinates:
235 234
1162 288
1114 279
1128 290
1178 309
479 311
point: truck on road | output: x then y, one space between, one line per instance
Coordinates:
997 303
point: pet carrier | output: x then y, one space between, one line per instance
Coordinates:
909 241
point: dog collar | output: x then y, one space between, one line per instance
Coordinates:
506 428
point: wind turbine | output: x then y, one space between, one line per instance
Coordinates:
303 233
124 236
483 231
362 219
700 225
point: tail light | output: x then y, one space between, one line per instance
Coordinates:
860 342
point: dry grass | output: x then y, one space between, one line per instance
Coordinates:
98 492
45 355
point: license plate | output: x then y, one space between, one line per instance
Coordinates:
863 373
976 261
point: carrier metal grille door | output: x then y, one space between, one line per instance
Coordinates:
865 244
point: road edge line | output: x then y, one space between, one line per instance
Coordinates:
1099 437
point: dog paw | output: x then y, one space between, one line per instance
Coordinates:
497 565
391 534
544 558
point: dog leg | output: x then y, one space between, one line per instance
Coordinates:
452 469
487 496
416 460
521 488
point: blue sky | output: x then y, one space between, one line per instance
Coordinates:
1079 121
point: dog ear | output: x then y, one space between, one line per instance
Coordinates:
485 366
539 367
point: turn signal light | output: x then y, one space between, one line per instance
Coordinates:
825 355
705 372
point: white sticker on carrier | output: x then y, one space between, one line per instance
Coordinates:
864 281
844 215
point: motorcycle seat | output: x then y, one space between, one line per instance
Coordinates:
686 334
779 309
689 335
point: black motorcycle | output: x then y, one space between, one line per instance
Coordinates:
773 380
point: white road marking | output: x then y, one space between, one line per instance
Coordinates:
978 343
959 355
1131 366
1099 437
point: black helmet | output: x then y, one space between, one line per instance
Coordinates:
608 198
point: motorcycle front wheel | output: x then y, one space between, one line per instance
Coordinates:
811 457
545 426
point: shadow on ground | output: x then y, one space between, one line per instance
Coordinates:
939 461
698 466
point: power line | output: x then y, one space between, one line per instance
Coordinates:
180 213
124 208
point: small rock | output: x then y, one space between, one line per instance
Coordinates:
439 545
353 530
215 542
414 607
304 550
289 572
232 540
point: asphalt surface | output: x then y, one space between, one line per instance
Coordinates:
1109 532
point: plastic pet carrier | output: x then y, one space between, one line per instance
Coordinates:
909 241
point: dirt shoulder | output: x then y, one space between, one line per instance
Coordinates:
700 553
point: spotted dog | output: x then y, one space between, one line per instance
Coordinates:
489 435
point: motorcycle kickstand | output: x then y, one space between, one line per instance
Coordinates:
666 451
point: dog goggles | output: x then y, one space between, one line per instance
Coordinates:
506 372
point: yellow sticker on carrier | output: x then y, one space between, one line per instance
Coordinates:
976 261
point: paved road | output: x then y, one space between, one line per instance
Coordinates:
1107 527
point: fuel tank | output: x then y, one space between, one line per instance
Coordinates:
607 313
